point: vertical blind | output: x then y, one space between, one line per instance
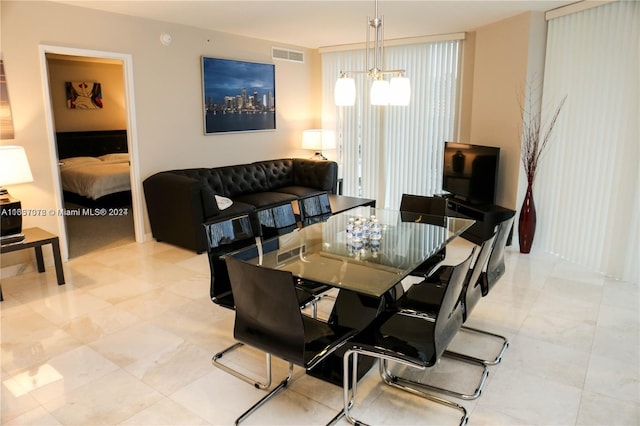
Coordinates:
587 191
391 150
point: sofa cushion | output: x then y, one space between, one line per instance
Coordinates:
279 172
242 179
263 200
301 191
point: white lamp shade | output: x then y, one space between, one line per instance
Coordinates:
379 92
345 92
14 166
399 91
318 139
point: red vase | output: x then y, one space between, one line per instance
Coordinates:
527 221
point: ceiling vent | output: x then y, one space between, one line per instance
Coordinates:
287 54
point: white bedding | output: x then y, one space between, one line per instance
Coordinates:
95 177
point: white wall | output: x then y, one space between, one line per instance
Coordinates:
112 116
466 87
168 92
507 53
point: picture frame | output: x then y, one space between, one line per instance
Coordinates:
83 95
238 96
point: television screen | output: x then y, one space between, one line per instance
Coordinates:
470 172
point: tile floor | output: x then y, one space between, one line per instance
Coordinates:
129 340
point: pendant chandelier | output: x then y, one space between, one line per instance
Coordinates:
396 91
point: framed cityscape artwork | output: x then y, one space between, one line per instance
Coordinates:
238 96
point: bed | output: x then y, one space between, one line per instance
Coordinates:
94 168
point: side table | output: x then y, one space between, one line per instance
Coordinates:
36 238
342 203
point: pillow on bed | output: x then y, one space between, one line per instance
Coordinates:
115 158
77 161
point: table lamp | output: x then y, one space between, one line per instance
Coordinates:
318 140
14 169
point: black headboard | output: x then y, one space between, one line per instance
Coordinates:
91 144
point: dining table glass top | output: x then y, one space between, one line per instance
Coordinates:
327 253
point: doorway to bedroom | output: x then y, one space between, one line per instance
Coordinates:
89 120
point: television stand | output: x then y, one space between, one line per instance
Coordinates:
487 216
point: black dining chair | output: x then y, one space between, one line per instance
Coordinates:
410 338
318 290
484 277
495 268
314 209
488 265
268 318
433 207
423 204
425 297
222 295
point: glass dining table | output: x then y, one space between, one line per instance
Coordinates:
366 267
325 252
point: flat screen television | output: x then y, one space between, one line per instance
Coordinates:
470 172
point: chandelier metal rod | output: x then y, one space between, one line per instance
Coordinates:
346 73
383 92
378 43
376 53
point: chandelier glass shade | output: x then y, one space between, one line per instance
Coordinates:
379 94
399 91
396 91
345 91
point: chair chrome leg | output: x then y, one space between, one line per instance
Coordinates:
349 397
396 384
391 379
267 397
215 361
337 417
327 296
314 307
495 361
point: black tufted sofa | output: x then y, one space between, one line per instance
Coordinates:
180 201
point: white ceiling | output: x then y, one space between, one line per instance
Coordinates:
320 23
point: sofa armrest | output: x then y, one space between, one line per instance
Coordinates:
321 175
176 208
